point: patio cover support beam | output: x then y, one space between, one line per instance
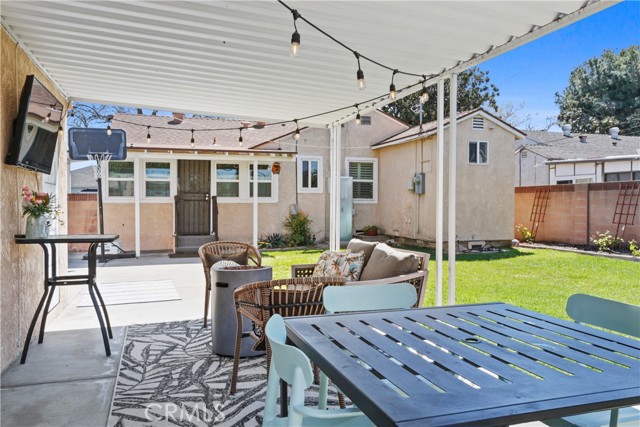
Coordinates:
137 177
453 238
440 191
255 203
334 201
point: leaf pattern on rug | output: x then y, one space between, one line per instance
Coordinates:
169 376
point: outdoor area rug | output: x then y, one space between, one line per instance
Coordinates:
133 292
169 376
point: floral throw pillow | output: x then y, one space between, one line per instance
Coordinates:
342 264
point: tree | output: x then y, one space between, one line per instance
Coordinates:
510 113
604 92
91 115
474 90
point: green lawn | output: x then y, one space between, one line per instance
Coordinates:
537 279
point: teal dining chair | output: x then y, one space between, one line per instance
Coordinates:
293 366
363 298
615 316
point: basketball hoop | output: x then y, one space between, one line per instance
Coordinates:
99 158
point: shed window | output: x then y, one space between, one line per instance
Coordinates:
478 152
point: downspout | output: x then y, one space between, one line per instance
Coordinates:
255 203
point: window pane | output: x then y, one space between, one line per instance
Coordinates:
157 170
305 174
228 189
264 173
636 176
473 152
363 190
314 174
264 189
361 170
228 172
484 153
121 170
121 188
157 188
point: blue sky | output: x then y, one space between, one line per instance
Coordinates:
533 73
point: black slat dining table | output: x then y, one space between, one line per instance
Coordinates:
469 365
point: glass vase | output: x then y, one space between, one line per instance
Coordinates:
36 227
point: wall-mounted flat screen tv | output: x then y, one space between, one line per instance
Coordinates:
35 128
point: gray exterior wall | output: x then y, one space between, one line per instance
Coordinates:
530 169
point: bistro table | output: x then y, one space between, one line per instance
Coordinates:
481 365
52 280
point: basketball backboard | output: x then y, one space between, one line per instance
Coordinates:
86 141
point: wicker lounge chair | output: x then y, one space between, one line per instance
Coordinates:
210 253
287 297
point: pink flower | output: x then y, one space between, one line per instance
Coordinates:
42 194
38 201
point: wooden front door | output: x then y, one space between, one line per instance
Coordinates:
193 202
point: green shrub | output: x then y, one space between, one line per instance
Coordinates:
605 242
298 227
273 240
634 248
525 234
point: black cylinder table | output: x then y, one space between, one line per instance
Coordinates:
223 309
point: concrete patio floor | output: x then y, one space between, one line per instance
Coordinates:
67 380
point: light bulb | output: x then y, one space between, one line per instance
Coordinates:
294 49
358 119
240 141
193 141
148 135
46 119
424 96
60 131
392 91
109 130
361 83
296 135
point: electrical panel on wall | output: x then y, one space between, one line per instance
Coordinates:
418 180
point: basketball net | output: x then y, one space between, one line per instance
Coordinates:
99 159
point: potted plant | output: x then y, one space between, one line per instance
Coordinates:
370 230
39 208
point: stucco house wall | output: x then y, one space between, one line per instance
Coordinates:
21 266
485 200
530 169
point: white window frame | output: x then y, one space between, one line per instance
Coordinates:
250 181
239 180
243 183
107 179
169 179
478 142
373 160
318 159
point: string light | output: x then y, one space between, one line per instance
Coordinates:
109 132
294 49
296 135
60 131
193 141
240 140
358 118
46 119
148 134
424 96
392 88
214 141
360 74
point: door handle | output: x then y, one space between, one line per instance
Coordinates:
206 197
